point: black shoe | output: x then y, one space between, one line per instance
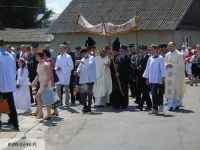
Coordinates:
177 108
108 104
88 110
139 107
191 84
171 109
85 109
115 107
133 96
148 107
137 102
16 128
7 123
123 107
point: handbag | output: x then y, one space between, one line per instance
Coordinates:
56 79
57 101
4 108
47 97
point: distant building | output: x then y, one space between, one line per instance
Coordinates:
159 21
17 37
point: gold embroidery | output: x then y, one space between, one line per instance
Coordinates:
169 92
170 74
169 82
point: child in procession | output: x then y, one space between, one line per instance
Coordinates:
21 95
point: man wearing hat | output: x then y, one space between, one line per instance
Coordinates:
143 89
32 64
131 83
115 86
123 73
107 49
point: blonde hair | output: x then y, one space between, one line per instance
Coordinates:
62 45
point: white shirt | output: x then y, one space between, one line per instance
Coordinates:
184 52
66 65
155 70
53 55
7 72
13 54
87 70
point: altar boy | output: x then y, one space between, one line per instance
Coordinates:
155 74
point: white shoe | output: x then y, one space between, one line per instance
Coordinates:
161 107
154 112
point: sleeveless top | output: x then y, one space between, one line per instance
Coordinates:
41 72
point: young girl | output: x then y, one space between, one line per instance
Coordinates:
22 94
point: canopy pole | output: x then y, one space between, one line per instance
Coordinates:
76 23
120 87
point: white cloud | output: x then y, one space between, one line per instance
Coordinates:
55 7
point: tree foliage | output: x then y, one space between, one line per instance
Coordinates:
24 17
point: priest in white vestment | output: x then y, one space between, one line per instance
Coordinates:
103 86
175 81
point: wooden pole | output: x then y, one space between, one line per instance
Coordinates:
136 18
120 87
76 23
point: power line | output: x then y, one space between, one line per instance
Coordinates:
21 6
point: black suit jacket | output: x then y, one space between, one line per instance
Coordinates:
142 68
32 64
112 69
123 67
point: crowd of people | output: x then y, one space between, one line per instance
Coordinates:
105 76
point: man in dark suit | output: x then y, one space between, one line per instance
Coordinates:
142 87
115 86
132 85
32 64
123 72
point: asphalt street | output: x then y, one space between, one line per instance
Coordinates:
130 129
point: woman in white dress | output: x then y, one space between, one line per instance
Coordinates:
22 95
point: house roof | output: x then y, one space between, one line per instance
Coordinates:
26 35
152 14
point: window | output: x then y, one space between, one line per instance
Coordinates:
187 41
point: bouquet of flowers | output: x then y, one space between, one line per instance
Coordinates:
75 90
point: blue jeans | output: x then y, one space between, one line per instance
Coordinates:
155 96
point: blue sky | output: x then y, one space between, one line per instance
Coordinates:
57 5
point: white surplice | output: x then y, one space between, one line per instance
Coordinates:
87 70
66 64
175 88
22 94
155 70
7 72
103 86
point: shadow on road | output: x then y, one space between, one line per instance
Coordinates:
185 111
70 109
110 109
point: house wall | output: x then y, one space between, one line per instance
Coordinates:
193 34
144 38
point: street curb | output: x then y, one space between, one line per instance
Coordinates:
19 136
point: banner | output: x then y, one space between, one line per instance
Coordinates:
84 24
110 28
120 29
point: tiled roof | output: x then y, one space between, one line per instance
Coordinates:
26 35
152 14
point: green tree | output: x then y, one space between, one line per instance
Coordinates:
24 17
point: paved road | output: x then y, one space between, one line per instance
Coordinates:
107 129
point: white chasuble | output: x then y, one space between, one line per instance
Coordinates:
103 86
175 80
